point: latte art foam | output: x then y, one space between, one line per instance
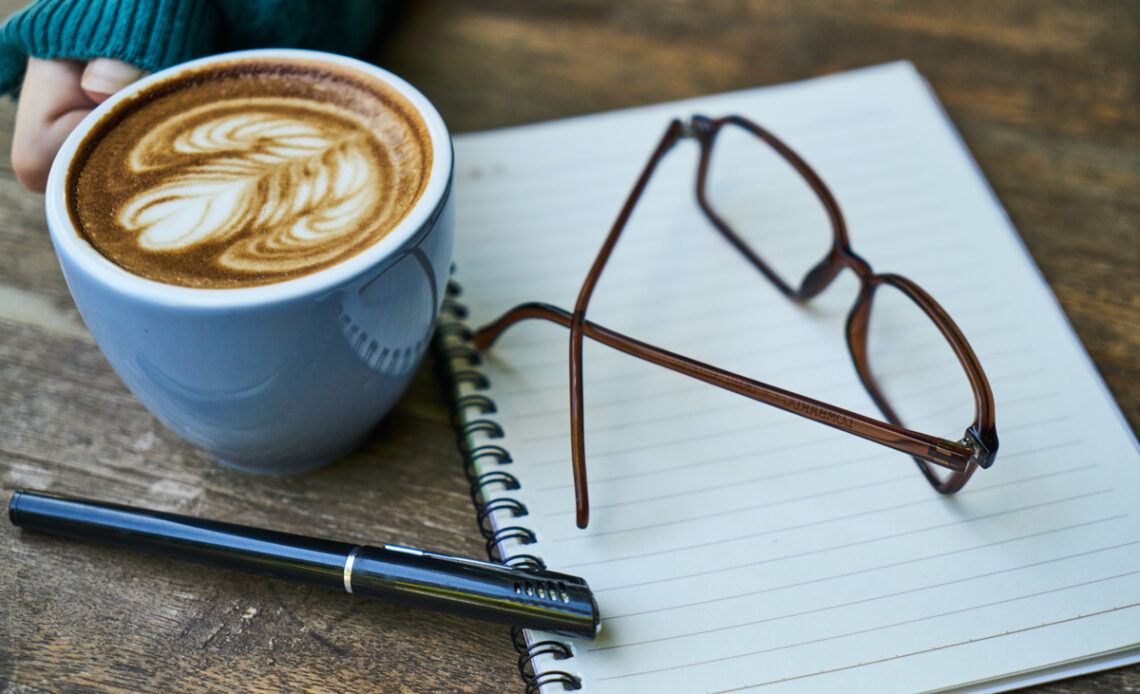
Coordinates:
296 177
252 184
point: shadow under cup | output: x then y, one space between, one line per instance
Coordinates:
280 377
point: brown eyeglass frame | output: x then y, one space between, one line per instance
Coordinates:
979 443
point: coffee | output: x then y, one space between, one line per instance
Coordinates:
248 173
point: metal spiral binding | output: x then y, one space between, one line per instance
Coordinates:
503 503
456 330
476 378
475 400
465 352
524 536
525 561
492 429
569 682
536 680
458 362
480 483
451 307
498 453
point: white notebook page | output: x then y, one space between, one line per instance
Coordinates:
736 547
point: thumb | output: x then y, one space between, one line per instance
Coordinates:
104 76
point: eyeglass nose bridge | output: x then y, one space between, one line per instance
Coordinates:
821 276
697 127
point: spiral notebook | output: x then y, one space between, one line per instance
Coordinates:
734 547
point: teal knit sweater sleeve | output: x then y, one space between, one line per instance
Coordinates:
154 34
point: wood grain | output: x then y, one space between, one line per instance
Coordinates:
1045 95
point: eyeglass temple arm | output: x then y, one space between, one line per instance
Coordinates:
949 454
673 133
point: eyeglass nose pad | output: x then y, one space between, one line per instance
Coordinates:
819 277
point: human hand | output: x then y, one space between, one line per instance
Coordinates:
55 96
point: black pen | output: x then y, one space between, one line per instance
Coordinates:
537 599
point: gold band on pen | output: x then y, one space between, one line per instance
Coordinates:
348 562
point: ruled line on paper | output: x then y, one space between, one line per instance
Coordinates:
704 436
819 130
1059 419
896 657
708 465
561 460
889 165
681 417
571 223
708 542
768 358
880 567
760 358
841 490
699 310
820 392
768 477
933 648
708 468
895 594
822 437
604 588
871 213
558 342
627 275
1031 398
641 261
581 172
845 489
707 282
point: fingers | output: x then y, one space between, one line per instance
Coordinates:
104 76
55 96
51 104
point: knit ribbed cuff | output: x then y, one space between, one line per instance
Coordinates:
151 34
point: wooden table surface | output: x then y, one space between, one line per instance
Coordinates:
1044 93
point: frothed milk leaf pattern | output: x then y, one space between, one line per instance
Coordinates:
281 186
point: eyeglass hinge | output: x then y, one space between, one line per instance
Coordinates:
981 453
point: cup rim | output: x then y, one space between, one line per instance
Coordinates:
69 243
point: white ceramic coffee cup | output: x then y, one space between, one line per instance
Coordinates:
283 377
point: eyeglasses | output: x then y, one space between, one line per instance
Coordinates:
946 464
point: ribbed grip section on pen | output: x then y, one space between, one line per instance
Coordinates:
487 466
480 589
